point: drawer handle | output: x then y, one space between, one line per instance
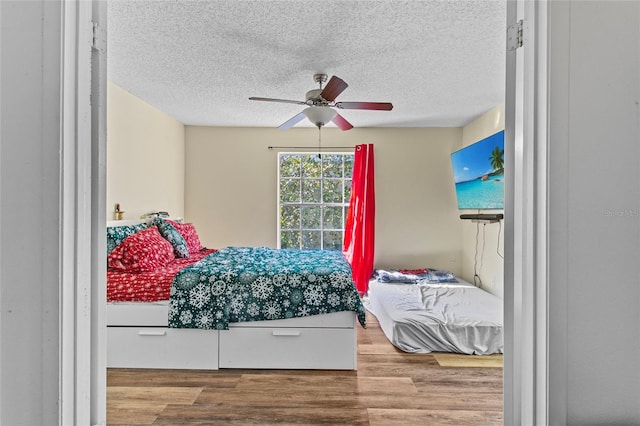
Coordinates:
286 333
152 333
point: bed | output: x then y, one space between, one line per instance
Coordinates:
422 312
237 307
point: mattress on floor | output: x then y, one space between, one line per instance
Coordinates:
448 317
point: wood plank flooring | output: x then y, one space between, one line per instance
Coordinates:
389 388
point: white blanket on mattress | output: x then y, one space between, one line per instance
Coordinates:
452 317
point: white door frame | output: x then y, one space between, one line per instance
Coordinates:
83 328
98 214
82 218
526 221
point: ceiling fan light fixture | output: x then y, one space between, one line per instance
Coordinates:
319 115
320 103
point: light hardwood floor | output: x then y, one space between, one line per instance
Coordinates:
389 388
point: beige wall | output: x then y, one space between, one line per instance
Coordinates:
145 157
231 187
486 262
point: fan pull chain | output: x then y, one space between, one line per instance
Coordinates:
319 141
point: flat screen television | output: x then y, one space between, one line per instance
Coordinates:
478 173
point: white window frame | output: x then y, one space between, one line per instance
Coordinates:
303 204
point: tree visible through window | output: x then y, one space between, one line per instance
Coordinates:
313 197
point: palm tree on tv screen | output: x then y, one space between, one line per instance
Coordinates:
497 159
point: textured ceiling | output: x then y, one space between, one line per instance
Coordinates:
441 63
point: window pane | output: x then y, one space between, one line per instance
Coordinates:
332 165
347 191
311 191
332 240
311 217
290 190
333 217
332 191
290 165
348 166
310 240
289 217
290 240
311 166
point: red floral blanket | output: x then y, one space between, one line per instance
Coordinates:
148 286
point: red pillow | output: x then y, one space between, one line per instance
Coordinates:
188 232
143 251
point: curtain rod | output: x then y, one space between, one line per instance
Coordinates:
312 148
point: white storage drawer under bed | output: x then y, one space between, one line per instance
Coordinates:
316 342
288 348
161 347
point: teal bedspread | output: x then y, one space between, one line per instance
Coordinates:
258 283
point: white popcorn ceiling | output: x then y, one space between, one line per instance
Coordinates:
441 63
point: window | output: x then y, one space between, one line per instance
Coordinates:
313 197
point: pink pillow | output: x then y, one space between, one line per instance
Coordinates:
143 251
188 232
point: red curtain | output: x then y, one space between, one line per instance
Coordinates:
359 230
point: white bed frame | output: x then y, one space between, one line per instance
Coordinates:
138 336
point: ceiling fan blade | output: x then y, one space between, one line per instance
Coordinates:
334 87
286 101
292 121
341 122
379 106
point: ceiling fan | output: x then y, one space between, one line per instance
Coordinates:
320 103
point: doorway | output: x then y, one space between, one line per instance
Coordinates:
510 231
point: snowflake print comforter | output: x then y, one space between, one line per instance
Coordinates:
238 284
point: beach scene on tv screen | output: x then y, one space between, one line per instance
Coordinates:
478 172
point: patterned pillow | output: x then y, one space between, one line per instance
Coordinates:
188 232
172 235
143 251
117 234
